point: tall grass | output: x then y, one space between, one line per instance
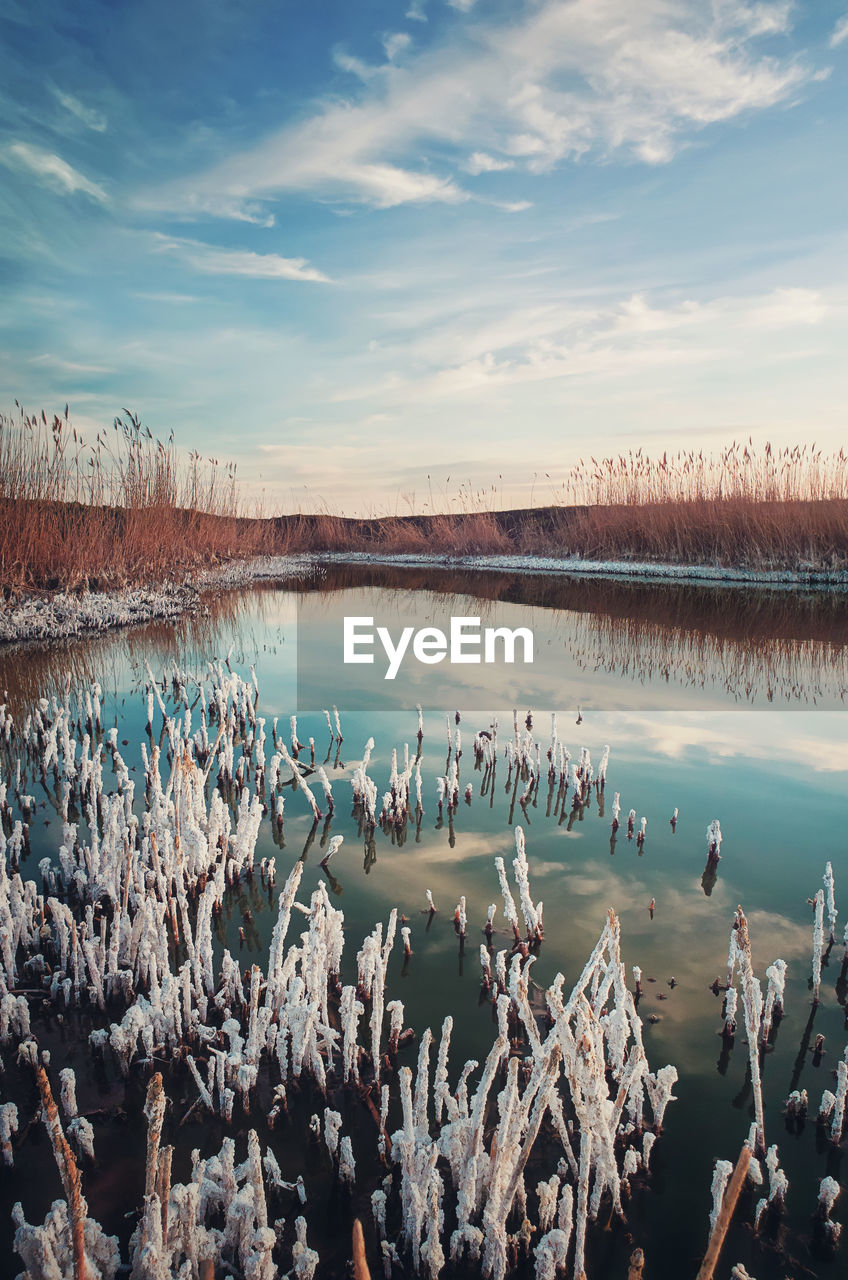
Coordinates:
130 508
126 508
756 508
740 472
732 532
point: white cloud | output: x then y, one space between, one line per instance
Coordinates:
363 71
52 170
786 307
395 44
812 744
840 32
756 19
66 366
86 115
230 208
386 185
561 81
452 355
480 162
238 262
165 296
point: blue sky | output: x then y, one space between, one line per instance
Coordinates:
375 250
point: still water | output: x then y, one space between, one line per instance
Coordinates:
715 703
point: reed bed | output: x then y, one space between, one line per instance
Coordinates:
740 471
130 508
749 507
734 532
730 533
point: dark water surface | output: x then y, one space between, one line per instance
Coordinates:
719 703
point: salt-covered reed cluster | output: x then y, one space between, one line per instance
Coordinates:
740 958
121 930
525 770
401 806
761 1015
576 1090
222 1212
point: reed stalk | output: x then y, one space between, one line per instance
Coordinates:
725 1214
360 1265
69 1172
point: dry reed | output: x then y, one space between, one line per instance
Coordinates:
130 508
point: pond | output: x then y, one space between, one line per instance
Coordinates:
713 703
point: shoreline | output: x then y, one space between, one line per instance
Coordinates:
64 616
624 570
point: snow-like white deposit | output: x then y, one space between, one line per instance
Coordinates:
63 615
575 566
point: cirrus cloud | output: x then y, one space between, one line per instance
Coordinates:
239 262
51 170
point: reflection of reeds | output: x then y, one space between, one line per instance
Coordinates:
40 669
753 644
758 611
749 667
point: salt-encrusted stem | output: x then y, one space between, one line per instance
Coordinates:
721 1177
154 1110
582 1203
8 1128
752 1000
839 1102
540 1106
776 974
725 1214
276 954
830 901
69 1172
818 943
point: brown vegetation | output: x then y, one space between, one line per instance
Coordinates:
127 509
131 509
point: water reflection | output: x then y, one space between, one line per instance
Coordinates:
754 645
750 647
241 624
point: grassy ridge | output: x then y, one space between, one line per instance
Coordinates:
130 508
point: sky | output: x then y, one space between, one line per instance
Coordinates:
400 254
